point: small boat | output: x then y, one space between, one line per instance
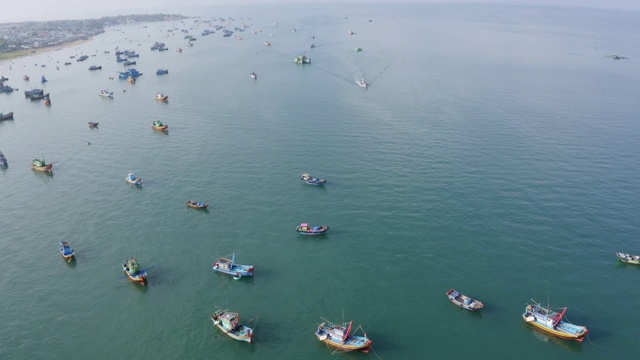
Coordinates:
93 124
67 63
131 79
41 165
229 266
34 94
359 49
162 97
106 93
132 179
47 100
464 301
253 75
362 84
310 180
305 229
7 116
128 63
552 322
312 46
95 67
340 338
3 160
229 323
302 60
158 125
266 43
66 251
629 259
133 271
179 50
44 79
162 71
197 204
25 78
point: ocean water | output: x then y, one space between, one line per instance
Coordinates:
495 152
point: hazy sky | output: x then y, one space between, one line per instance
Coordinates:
24 10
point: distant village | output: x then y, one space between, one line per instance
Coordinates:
34 35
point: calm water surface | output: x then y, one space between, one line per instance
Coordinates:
496 151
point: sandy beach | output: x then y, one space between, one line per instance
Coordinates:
4 57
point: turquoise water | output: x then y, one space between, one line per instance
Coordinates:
495 152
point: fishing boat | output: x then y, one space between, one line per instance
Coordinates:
93 124
25 78
34 94
552 322
362 84
66 251
106 93
301 60
179 50
134 272
229 266
340 337
41 165
464 301
253 75
310 180
305 229
47 100
158 125
129 63
131 79
629 259
266 43
312 46
197 204
162 71
132 179
229 323
95 67
44 79
3 160
7 116
162 97
359 49
67 63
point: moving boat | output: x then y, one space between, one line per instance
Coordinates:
362 83
106 93
7 116
132 179
229 266
95 67
340 337
305 229
302 60
464 301
133 271
66 251
158 125
3 160
162 71
629 259
93 124
197 205
552 322
310 180
229 323
41 165
253 75
162 97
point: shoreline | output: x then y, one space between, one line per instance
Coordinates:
9 56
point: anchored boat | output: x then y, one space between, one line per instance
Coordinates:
3 160
552 322
162 71
629 259
197 205
8 116
362 84
132 179
310 180
106 93
41 165
229 266
464 301
162 97
95 67
229 323
253 75
340 337
301 60
66 251
158 125
93 124
134 272
305 229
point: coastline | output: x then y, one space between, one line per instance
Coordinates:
9 56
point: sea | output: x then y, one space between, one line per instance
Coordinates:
495 151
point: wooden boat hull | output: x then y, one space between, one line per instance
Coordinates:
323 230
629 259
140 279
243 334
46 168
195 206
162 98
464 301
161 128
354 343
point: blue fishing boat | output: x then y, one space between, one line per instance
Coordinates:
340 338
197 204
34 94
119 59
44 79
305 229
310 180
135 73
66 251
229 266
162 71
3 160
132 179
129 63
552 322
464 301
123 74
95 67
